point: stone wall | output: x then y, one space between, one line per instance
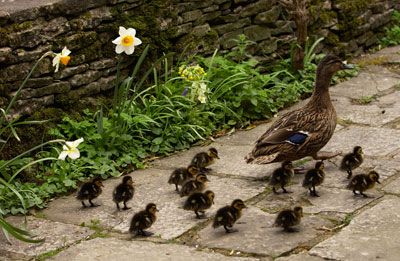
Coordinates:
194 26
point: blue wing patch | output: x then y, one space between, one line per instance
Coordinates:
297 138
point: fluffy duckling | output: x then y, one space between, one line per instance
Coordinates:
362 182
203 159
124 192
197 185
143 220
198 202
228 215
282 176
314 177
181 175
90 190
288 218
352 161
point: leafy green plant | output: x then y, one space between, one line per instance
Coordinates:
392 34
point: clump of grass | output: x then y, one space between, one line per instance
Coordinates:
365 100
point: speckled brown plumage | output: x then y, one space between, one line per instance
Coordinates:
305 131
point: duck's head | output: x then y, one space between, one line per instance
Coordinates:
98 182
151 208
202 178
127 180
298 211
320 165
210 195
330 64
374 176
287 165
238 204
358 150
213 153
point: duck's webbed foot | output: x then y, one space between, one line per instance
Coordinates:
325 155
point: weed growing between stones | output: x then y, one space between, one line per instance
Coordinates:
392 36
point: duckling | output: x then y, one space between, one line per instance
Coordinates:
197 185
362 182
288 218
203 159
124 192
180 175
282 176
228 215
90 190
314 177
352 161
143 220
198 202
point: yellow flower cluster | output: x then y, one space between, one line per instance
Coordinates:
192 73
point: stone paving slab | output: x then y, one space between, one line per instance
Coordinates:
231 161
393 187
377 142
56 235
99 249
371 235
300 257
373 114
370 81
151 186
256 234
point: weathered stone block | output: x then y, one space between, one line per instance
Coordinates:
259 6
257 32
191 16
268 17
222 29
80 40
228 40
183 29
201 30
86 78
210 9
269 46
69 71
103 64
282 27
55 88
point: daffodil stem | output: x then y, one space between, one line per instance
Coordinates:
25 80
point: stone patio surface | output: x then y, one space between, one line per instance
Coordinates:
336 226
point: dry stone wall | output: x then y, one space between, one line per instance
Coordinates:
191 26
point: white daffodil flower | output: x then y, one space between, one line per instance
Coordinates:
70 149
62 57
126 41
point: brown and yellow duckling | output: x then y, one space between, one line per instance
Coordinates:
314 177
352 161
289 218
362 182
228 215
199 202
305 131
181 175
282 176
143 220
90 190
124 192
203 159
197 185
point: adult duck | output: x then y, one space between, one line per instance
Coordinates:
303 132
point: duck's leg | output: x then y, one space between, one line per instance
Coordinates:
350 173
364 195
274 190
125 207
83 204
324 155
147 233
197 214
117 203
176 188
231 230
311 192
355 193
92 204
315 192
284 190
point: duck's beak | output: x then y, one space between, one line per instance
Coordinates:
346 66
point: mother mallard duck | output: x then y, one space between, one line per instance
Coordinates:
303 132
